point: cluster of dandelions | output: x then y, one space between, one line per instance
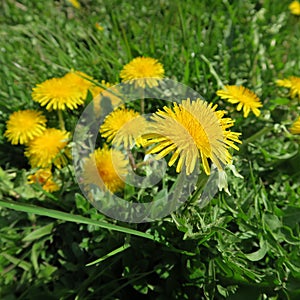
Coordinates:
191 131
47 148
187 132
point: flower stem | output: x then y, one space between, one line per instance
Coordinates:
257 135
142 103
254 137
61 120
213 71
142 106
131 159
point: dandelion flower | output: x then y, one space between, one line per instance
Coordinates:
59 94
23 126
108 164
44 178
125 126
295 129
80 80
143 71
47 148
107 92
293 83
295 8
246 99
99 27
192 130
75 3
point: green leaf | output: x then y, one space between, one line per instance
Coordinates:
17 262
110 254
51 213
38 233
81 203
259 254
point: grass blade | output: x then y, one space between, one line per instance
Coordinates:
51 213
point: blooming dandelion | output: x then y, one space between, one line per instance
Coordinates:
99 27
295 128
142 72
192 130
80 80
59 94
295 8
293 83
22 126
125 126
243 97
75 3
110 164
46 149
45 179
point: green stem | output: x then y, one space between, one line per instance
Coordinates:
257 135
254 137
142 103
61 120
213 71
142 106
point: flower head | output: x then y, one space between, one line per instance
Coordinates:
143 71
191 130
22 126
46 149
295 128
108 164
295 8
293 83
99 27
246 99
80 80
44 178
75 3
125 126
60 93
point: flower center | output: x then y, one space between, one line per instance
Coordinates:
198 135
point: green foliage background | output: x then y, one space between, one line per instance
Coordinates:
241 246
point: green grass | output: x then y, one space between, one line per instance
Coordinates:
241 246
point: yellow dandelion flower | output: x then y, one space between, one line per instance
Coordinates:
192 130
75 3
142 71
59 94
108 92
110 164
44 178
81 80
295 8
295 128
47 148
99 27
24 125
246 99
125 126
293 83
